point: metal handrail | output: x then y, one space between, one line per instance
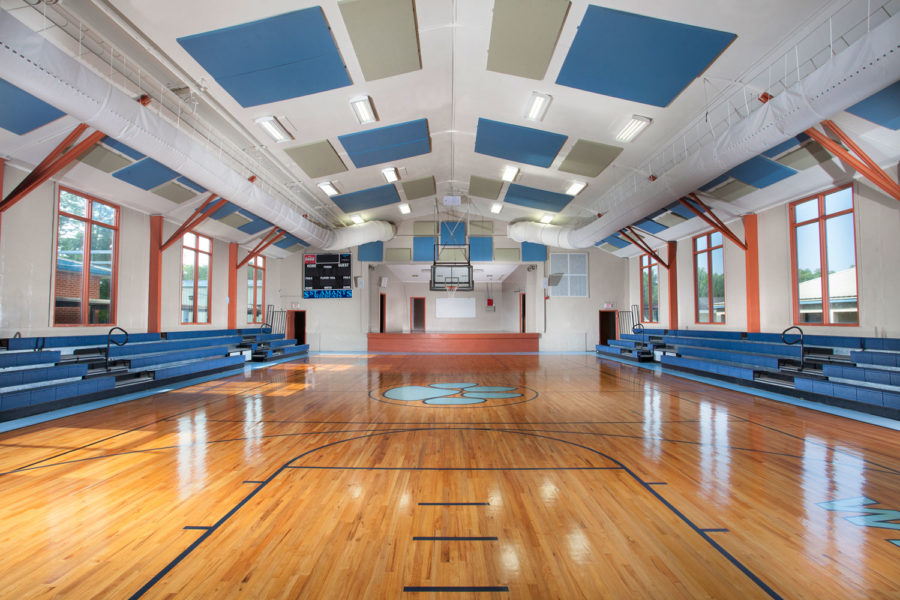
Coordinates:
109 339
802 351
639 328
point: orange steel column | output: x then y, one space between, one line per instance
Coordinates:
751 259
232 285
154 301
673 285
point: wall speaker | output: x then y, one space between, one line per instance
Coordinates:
359 282
382 282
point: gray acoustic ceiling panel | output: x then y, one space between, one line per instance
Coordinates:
384 35
105 160
732 190
523 36
669 219
317 159
235 220
806 156
607 246
174 192
418 188
589 158
484 187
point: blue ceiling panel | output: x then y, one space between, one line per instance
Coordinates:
20 112
194 186
366 199
785 146
650 226
535 198
760 172
288 241
638 58
881 107
224 211
614 241
254 226
517 143
715 182
281 57
387 143
681 210
122 148
146 174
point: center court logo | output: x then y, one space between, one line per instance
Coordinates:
454 394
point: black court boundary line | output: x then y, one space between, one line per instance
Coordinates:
213 528
454 538
455 588
133 429
454 503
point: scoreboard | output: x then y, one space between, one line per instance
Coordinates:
327 276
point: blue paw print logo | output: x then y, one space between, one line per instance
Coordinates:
455 394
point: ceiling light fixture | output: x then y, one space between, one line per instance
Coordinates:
404 208
634 127
496 207
274 128
357 219
575 188
328 188
362 108
390 173
546 219
509 173
537 107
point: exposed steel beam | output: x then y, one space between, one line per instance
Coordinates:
636 239
199 215
873 172
59 158
270 238
714 221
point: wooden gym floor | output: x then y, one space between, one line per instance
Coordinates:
374 477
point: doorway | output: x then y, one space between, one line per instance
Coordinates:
609 326
382 301
296 326
522 312
417 315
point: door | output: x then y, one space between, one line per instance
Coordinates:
417 315
522 312
609 326
382 301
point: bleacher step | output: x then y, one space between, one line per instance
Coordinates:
144 378
768 379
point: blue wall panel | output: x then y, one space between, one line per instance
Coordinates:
517 143
371 252
453 233
533 252
481 249
423 249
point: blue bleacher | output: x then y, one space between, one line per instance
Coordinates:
170 346
878 376
183 335
41 395
160 358
866 395
73 341
735 345
19 359
280 352
704 333
828 341
35 375
198 366
884 359
709 366
765 361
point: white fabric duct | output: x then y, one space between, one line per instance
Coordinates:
864 68
32 63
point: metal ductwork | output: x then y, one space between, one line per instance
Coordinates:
869 65
34 64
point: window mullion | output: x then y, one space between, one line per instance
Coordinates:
823 257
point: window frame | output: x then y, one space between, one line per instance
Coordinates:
651 263
197 251
86 281
709 282
822 219
253 264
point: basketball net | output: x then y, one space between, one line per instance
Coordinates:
452 290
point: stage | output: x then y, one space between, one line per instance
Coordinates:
454 342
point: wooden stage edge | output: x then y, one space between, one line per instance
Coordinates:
454 342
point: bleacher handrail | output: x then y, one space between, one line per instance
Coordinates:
109 339
784 340
639 328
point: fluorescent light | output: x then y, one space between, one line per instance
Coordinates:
328 188
357 219
390 173
509 173
496 207
537 107
634 127
575 188
546 219
362 108
404 208
274 128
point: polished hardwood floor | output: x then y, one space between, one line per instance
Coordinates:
540 476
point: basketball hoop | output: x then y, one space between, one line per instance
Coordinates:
452 290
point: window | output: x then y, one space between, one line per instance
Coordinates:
649 289
256 290
196 259
573 268
709 278
823 240
87 241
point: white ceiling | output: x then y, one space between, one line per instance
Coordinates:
452 90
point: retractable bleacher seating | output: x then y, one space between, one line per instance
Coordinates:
78 369
852 372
